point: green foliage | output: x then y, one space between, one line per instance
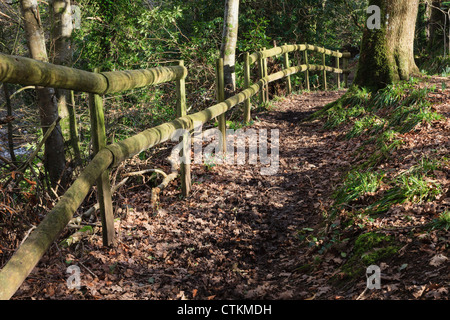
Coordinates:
369 248
254 35
382 117
357 184
435 65
401 107
369 124
442 222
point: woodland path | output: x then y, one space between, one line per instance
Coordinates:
234 237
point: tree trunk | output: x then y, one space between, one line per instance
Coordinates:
228 48
62 34
436 22
387 54
10 127
54 161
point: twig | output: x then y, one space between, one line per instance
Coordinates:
28 233
360 297
167 179
93 209
8 162
35 152
11 118
137 173
93 274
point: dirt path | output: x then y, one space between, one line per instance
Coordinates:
234 237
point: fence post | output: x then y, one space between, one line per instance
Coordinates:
185 166
288 78
345 67
98 134
261 75
324 72
75 143
266 73
308 87
247 103
220 85
338 75
262 95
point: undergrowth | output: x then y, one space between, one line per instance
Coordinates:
380 119
371 187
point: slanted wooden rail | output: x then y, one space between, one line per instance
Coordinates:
26 71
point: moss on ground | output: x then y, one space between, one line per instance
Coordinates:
369 248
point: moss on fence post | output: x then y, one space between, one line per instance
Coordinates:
98 136
185 166
305 53
338 75
247 103
288 78
220 98
325 87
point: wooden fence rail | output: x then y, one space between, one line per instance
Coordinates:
26 71
261 59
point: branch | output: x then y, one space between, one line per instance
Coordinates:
138 173
24 166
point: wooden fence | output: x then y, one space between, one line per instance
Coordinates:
25 71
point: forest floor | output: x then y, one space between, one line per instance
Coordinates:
241 235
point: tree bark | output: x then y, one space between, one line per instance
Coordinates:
228 47
54 160
10 127
62 35
387 54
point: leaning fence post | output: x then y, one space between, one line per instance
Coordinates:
247 102
305 53
185 166
338 75
220 85
324 72
288 78
98 134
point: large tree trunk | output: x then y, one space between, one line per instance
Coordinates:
62 35
387 54
228 48
54 161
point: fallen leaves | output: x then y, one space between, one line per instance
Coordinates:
236 236
437 260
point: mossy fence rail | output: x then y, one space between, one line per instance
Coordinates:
25 71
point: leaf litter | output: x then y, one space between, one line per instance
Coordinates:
241 235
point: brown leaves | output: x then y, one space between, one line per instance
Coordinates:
236 236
